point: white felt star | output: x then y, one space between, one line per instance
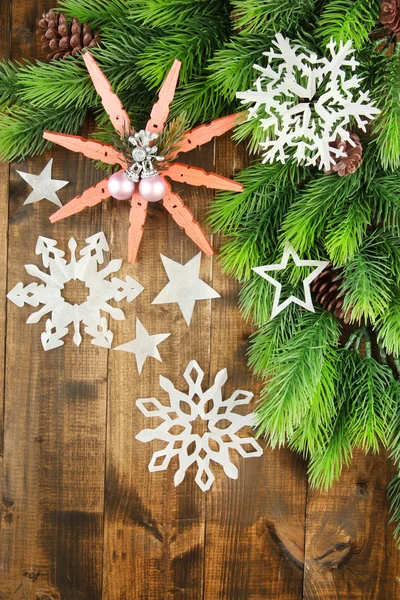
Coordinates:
144 345
185 286
307 302
43 186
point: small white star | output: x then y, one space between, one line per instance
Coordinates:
144 345
307 302
185 286
43 186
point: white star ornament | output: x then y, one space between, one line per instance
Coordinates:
43 186
144 345
307 303
185 286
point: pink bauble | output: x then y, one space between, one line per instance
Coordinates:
120 187
153 188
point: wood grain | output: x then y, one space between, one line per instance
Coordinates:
82 518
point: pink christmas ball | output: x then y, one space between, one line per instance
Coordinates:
152 189
120 187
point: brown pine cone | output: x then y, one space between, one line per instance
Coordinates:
347 165
390 15
61 40
326 290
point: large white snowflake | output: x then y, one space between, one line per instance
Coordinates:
220 420
306 102
100 291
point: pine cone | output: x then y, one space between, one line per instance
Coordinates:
61 40
347 165
390 15
326 291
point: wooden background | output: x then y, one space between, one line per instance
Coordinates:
82 519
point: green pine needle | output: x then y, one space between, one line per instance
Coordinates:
264 16
296 376
388 327
95 12
345 20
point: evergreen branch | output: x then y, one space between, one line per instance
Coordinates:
95 12
21 129
386 94
200 101
319 200
264 16
158 13
388 327
385 201
346 228
394 427
8 83
345 20
394 498
296 376
372 407
193 44
367 278
50 84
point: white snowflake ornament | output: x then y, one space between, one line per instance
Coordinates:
63 313
305 102
176 430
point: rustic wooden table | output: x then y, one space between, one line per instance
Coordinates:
82 518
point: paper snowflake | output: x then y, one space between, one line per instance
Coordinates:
100 291
306 102
182 441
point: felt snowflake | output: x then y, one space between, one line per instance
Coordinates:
152 186
221 427
49 294
306 103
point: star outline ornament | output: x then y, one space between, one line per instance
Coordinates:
175 171
307 303
40 186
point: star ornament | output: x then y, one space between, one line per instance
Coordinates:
144 345
143 166
185 286
307 303
43 186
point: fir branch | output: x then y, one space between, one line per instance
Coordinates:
56 84
267 195
372 407
96 12
200 101
158 13
8 83
386 94
394 426
388 327
367 278
345 20
296 377
385 201
193 44
311 213
21 129
394 498
264 16
346 228
231 67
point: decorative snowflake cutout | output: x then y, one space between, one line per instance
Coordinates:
100 291
308 102
181 439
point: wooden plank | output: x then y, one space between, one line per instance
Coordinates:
154 532
350 550
255 525
4 185
55 402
